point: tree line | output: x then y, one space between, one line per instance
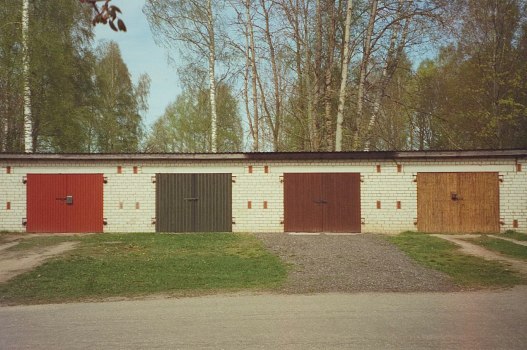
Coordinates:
280 75
82 98
325 75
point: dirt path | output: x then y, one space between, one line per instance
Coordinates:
476 250
13 263
510 240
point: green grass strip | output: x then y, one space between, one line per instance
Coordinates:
519 236
109 265
466 270
501 246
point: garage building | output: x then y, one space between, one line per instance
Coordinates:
431 191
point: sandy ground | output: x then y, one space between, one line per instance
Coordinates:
473 249
13 263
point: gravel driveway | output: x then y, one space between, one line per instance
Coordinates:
353 263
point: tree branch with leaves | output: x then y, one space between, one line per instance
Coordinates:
107 14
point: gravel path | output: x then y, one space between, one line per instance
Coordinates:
354 263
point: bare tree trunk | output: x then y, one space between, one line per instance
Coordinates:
246 87
329 66
315 136
313 132
28 130
344 78
253 78
362 79
392 61
276 81
214 139
495 74
292 10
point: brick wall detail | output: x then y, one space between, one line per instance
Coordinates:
258 186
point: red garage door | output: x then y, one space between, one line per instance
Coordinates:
65 203
322 202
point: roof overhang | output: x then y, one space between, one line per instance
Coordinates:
513 153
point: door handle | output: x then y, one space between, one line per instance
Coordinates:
191 199
320 201
68 199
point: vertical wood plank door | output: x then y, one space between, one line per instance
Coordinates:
194 202
458 202
322 202
303 211
342 210
214 204
174 204
85 214
46 214
48 210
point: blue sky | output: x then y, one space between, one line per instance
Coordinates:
142 55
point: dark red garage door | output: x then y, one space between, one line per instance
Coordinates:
65 203
322 202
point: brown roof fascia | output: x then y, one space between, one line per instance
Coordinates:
516 153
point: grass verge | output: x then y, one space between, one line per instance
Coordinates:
41 242
112 265
513 234
465 269
501 246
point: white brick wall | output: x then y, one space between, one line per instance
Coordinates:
12 190
388 187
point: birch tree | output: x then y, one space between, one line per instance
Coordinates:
344 77
28 128
362 79
193 24
393 56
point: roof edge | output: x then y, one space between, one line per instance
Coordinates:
509 153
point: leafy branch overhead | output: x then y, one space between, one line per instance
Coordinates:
106 14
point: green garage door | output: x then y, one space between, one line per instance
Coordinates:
194 203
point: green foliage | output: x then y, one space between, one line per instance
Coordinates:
109 265
472 95
118 124
10 76
466 270
72 104
59 55
185 126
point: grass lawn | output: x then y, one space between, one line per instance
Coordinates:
501 246
513 234
465 269
110 265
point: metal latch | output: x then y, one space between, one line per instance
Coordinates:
68 199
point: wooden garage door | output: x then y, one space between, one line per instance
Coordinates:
458 202
194 203
322 202
48 209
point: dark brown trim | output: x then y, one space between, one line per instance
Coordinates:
516 153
